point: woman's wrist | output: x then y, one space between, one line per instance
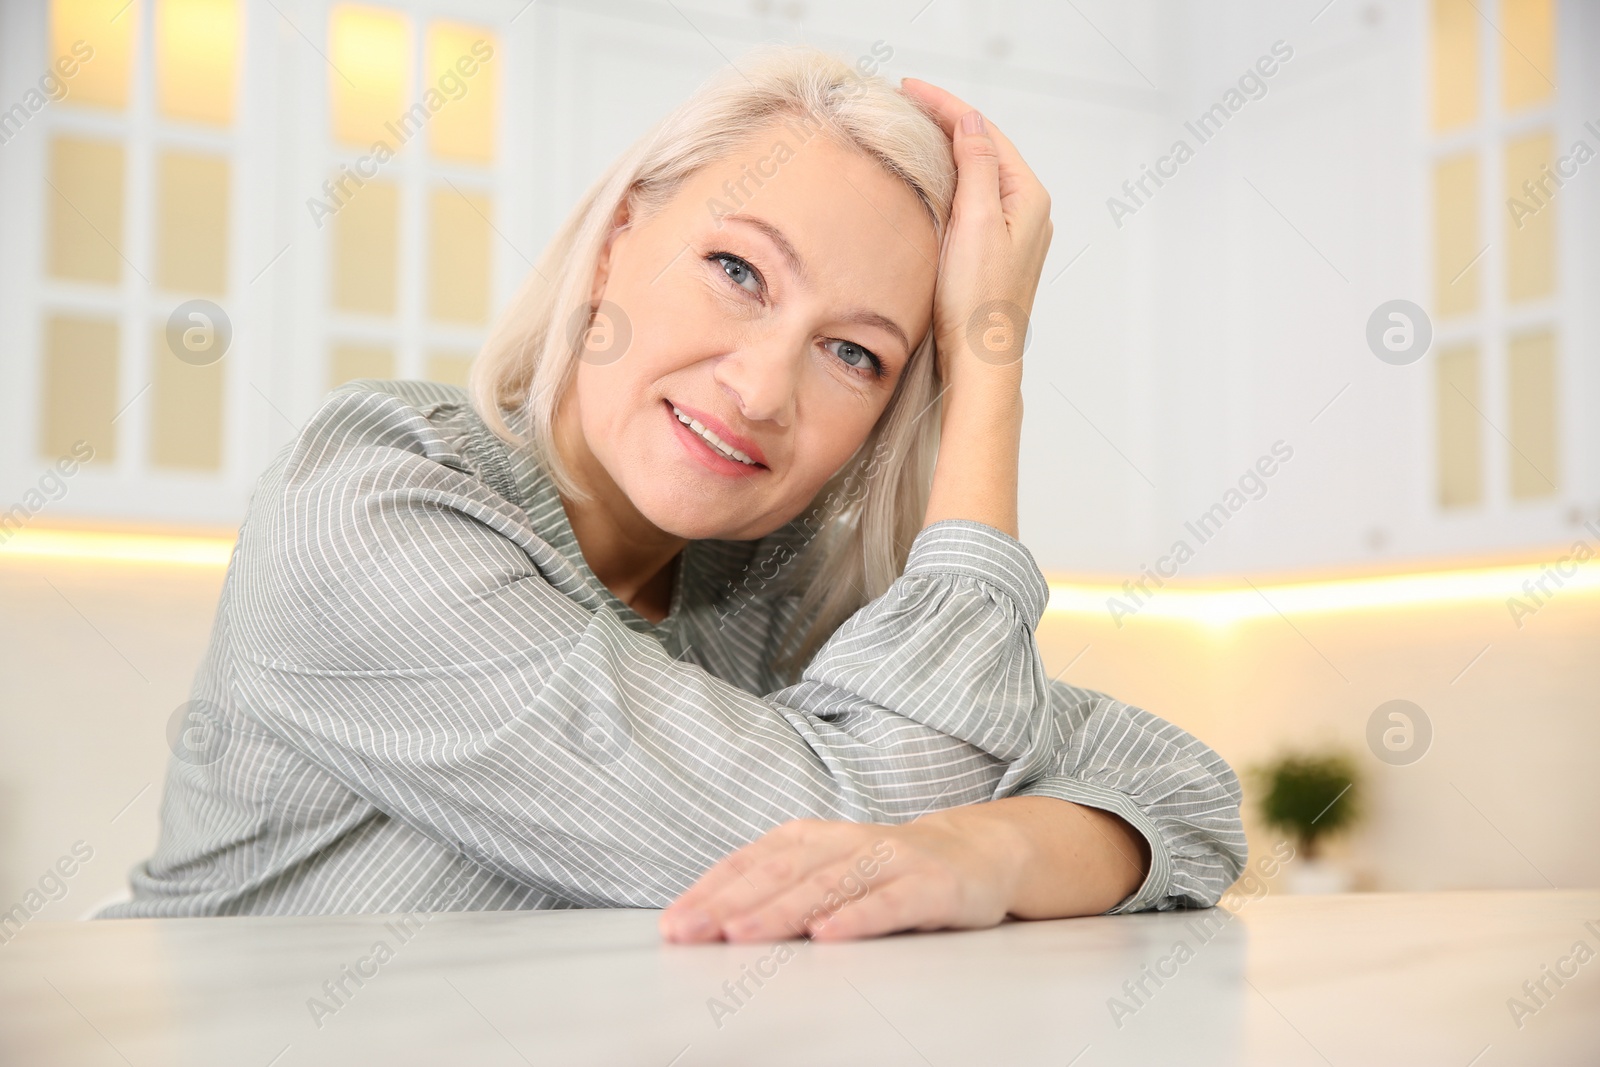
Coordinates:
975 476
1058 859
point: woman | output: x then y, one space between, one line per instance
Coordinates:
679 610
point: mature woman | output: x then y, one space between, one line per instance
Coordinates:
678 608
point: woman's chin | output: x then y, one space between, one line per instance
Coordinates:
699 523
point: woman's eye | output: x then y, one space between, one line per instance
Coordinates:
856 357
738 271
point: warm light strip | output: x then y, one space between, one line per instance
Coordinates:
91 546
1225 605
1219 606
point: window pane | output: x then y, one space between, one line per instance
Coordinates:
449 367
463 74
1455 63
85 210
458 256
104 58
1456 249
1460 433
366 250
197 48
80 386
350 361
370 53
1527 52
192 223
1530 218
1535 452
185 410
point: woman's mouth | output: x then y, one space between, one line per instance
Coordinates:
705 444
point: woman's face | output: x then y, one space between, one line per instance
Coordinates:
775 302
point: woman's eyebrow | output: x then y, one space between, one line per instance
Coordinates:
797 268
883 322
786 248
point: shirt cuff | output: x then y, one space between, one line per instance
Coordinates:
1158 883
978 550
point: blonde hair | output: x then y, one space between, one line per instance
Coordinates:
874 505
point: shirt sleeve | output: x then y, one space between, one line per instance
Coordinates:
407 629
1099 752
1179 794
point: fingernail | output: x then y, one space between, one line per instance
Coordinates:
690 924
972 122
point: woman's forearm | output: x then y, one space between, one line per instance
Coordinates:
975 476
1066 859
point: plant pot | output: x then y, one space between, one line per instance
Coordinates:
1307 876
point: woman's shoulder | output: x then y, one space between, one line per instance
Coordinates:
422 396
374 412
371 420
385 459
392 508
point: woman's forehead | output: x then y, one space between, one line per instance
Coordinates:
826 208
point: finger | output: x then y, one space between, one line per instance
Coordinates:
810 904
767 880
694 916
977 171
729 869
947 109
886 909
789 858
748 876
736 867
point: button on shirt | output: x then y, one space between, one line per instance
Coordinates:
418 697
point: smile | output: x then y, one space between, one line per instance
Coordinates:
710 438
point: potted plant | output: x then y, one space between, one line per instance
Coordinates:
1309 798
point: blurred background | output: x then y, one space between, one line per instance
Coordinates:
1309 455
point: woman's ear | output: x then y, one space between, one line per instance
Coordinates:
602 269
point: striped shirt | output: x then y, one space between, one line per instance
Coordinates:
418 697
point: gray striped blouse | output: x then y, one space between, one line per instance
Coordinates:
418 697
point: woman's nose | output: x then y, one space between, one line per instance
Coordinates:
764 377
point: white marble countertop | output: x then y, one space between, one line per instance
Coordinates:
1408 979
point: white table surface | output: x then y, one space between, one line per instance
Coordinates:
1413 979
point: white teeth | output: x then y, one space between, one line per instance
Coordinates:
712 439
